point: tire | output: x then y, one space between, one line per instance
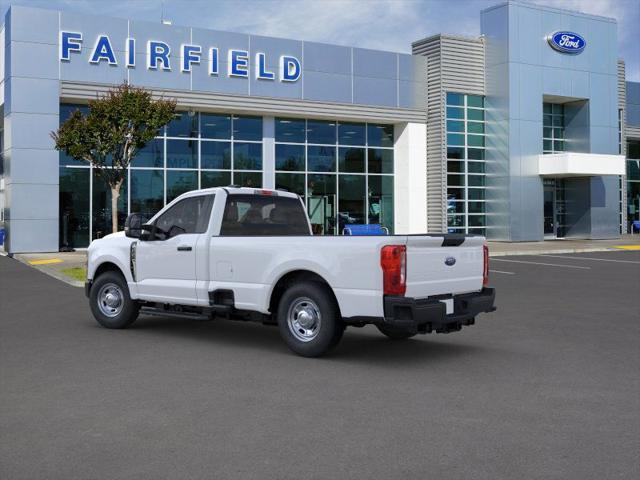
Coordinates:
308 319
395 333
110 302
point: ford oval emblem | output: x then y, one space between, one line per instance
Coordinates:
450 261
567 42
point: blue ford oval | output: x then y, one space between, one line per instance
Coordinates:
567 42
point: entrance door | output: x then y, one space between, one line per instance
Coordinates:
554 208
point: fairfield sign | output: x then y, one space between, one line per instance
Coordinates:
159 56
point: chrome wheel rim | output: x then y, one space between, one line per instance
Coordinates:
110 300
304 319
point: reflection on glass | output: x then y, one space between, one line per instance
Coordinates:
381 201
455 98
102 206
290 130
216 155
179 182
215 126
321 203
184 124
351 201
215 179
147 191
74 207
182 154
290 157
151 155
320 131
379 135
247 127
351 133
351 160
380 161
321 159
248 179
291 182
247 156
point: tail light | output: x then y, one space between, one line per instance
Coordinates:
485 270
393 260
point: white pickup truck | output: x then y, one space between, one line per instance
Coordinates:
249 254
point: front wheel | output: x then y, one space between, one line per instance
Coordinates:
308 319
110 302
395 333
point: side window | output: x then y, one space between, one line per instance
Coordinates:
257 215
190 215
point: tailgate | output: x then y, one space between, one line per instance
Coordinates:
440 265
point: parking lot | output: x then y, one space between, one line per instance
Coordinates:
546 387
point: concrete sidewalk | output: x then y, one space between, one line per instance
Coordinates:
59 265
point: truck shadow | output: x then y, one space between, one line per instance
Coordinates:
357 345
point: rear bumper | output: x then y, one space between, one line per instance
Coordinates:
427 315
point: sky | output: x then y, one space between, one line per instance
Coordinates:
378 24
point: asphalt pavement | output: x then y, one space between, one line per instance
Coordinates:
546 387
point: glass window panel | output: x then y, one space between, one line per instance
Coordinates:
290 157
558 121
74 207
351 133
320 131
66 109
455 98
475 153
381 200
455 113
477 115
351 160
216 155
247 156
179 182
633 149
455 193
475 101
182 154
547 132
476 167
215 179
475 140
455 152
184 124
152 155
477 220
454 208
248 179
321 159
547 120
351 201
476 193
546 108
215 126
380 135
291 182
380 161
455 180
321 203
476 207
547 145
557 108
247 128
558 133
290 130
102 206
455 221
475 127
558 145
67 160
147 191
476 180
455 139
478 231
455 167
633 170
455 126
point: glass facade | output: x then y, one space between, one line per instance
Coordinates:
552 128
343 170
196 150
465 129
633 182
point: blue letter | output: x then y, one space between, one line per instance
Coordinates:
190 54
131 52
103 51
238 63
158 51
261 68
290 70
69 42
213 61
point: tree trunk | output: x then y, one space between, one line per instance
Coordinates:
115 194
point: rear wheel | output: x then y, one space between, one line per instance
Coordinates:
395 333
308 319
110 302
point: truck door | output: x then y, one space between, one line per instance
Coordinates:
166 264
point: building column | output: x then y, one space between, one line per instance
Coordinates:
268 152
410 178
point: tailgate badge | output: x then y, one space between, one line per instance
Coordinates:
450 261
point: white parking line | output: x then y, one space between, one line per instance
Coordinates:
589 258
539 263
498 271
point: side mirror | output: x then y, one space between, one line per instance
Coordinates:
133 225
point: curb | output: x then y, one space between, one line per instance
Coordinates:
552 251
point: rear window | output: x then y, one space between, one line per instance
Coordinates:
258 215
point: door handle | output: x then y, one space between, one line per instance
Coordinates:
184 248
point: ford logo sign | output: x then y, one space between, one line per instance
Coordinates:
567 42
450 261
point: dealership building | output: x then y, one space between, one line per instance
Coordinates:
527 132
